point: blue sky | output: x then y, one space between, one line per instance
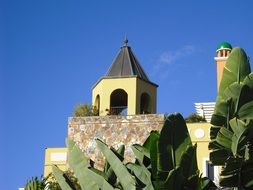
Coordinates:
52 52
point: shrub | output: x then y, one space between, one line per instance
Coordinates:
83 110
194 118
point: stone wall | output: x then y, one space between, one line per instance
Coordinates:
113 130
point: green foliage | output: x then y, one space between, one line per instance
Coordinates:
61 178
194 118
114 174
170 157
83 110
124 177
51 182
167 160
232 130
36 184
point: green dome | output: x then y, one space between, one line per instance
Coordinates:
224 45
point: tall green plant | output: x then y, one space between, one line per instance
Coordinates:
171 158
232 131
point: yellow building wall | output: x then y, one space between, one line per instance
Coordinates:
131 85
55 156
199 133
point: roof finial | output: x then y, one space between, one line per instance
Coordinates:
125 41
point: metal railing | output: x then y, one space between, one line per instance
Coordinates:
117 110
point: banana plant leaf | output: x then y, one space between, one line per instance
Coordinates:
125 178
154 135
239 128
231 173
236 69
247 173
142 173
99 172
215 128
249 81
246 111
173 141
175 180
78 162
238 95
119 152
76 156
70 144
219 156
145 150
140 152
154 159
219 118
108 171
233 91
189 162
98 179
205 183
221 146
61 179
238 169
224 138
246 96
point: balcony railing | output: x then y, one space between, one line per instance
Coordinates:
118 110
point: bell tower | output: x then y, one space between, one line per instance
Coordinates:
222 53
126 88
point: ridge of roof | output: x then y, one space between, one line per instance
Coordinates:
126 64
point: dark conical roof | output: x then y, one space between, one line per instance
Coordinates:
126 64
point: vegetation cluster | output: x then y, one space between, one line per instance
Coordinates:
83 110
194 118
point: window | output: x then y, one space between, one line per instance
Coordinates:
118 102
145 107
210 170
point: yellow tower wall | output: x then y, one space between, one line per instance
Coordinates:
133 86
106 86
150 89
220 61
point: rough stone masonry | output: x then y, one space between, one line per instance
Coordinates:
114 130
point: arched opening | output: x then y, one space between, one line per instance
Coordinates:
118 102
97 105
221 53
145 104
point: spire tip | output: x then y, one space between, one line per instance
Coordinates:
125 41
